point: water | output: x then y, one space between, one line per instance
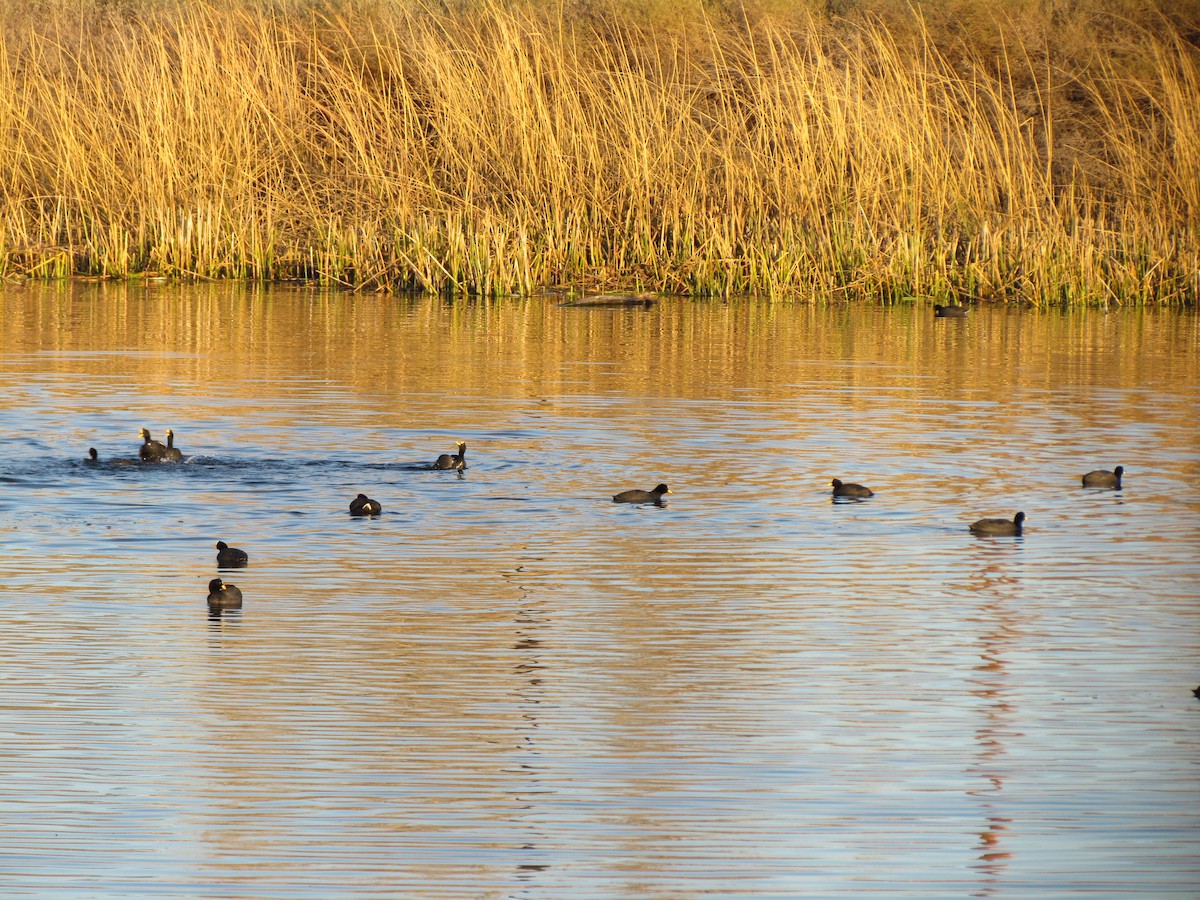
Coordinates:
508 686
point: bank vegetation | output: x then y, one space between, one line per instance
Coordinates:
1035 150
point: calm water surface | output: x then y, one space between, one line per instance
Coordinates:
508 686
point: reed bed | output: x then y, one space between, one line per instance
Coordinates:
503 148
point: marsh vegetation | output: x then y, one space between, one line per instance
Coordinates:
1048 152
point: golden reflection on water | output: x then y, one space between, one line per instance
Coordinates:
752 679
678 348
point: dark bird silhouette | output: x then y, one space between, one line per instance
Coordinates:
230 557
453 460
636 496
1000 526
173 453
1101 478
224 596
841 489
152 451
92 456
950 312
362 505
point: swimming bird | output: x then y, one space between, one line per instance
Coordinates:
152 451
92 456
224 595
950 312
841 489
362 505
636 496
1101 478
230 557
1000 526
174 454
453 460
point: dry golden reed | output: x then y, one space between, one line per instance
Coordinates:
499 147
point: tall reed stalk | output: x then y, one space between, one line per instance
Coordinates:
501 148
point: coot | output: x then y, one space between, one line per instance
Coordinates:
636 496
224 595
174 454
1104 479
230 557
841 489
950 312
999 526
453 460
362 505
152 451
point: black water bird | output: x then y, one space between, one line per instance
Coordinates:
151 451
222 595
1000 526
92 456
362 505
950 312
636 496
858 491
174 454
230 557
1104 479
453 460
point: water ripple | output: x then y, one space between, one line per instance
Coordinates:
508 685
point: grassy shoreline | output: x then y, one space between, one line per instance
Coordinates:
702 149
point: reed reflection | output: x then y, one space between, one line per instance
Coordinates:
167 344
640 683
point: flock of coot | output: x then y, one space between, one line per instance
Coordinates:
228 596
1100 478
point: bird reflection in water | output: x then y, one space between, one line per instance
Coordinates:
528 670
218 614
224 600
1000 628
